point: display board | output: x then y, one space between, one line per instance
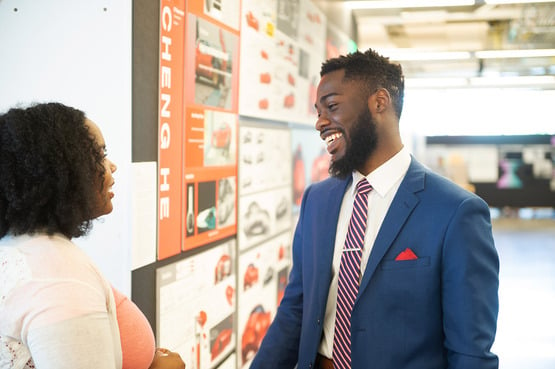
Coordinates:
284 46
337 42
196 306
198 123
264 230
225 207
262 276
265 194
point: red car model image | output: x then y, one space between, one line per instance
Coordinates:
320 167
263 104
265 78
221 137
210 63
282 283
255 329
264 54
291 79
289 101
251 276
252 21
299 181
221 342
223 268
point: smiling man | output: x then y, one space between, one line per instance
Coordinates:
393 266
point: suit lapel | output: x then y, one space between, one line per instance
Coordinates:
403 203
326 234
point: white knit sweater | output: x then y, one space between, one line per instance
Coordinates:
56 309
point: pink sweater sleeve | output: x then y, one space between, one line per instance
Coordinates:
137 338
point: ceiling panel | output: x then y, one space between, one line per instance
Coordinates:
470 29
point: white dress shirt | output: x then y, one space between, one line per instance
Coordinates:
385 181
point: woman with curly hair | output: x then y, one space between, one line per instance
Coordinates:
56 308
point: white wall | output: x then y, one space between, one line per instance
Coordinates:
78 52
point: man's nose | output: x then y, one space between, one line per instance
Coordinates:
322 121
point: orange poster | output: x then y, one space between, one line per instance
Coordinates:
210 176
212 65
170 135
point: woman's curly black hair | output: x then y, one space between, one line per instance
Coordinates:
50 168
374 70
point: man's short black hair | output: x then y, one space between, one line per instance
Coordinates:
374 71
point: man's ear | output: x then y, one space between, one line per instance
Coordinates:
383 100
379 101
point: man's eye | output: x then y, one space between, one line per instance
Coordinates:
332 106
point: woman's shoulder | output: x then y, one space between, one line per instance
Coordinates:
48 279
14 270
50 256
49 263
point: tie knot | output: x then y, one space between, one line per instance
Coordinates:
363 187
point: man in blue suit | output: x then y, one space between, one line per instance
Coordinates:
428 291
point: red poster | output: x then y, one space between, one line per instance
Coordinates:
210 176
170 135
212 65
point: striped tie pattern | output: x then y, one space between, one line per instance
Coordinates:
349 277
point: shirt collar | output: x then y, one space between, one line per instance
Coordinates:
386 175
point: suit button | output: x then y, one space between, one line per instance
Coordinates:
318 321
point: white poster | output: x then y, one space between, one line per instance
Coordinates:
196 306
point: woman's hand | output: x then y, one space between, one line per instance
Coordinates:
166 359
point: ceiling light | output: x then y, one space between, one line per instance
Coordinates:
522 81
409 55
417 83
425 16
482 82
532 53
395 4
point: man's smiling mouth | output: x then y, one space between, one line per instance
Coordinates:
331 138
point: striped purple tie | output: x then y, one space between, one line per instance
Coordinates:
349 277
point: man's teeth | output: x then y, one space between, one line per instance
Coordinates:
333 137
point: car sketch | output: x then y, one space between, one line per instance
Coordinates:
257 220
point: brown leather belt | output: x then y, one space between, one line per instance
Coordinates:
323 362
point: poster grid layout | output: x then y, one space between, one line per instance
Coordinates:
226 204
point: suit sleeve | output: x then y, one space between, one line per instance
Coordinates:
280 347
470 282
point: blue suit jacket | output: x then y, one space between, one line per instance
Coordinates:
438 311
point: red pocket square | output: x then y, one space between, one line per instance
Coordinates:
408 254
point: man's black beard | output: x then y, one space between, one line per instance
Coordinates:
361 143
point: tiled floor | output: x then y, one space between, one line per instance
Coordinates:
526 325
